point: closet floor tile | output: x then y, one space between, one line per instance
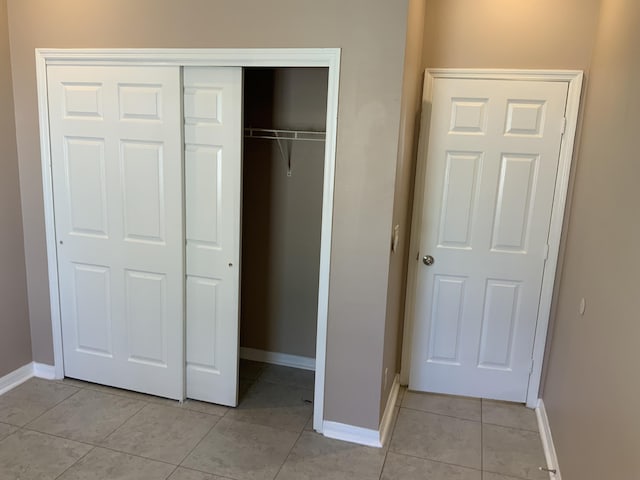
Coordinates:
6 430
251 370
31 399
513 452
97 433
404 467
88 416
497 476
242 451
161 433
507 414
205 407
275 405
438 437
288 376
453 406
309 425
315 457
27 455
120 392
106 464
186 474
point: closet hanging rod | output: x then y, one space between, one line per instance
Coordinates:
272 134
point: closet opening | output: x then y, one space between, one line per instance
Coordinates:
284 122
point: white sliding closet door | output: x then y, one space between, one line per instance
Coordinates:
117 181
213 171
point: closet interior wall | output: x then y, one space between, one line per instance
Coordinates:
281 221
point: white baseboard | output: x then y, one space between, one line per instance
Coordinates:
13 379
366 436
547 441
386 424
277 358
42 370
351 433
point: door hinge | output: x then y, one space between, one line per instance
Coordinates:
563 126
531 367
546 252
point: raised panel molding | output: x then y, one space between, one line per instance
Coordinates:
86 180
203 104
202 300
146 317
82 100
446 315
468 116
518 175
140 101
92 309
203 187
525 118
501 307
142 186
459 199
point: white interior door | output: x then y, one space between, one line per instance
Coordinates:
213 172
491 164
117 181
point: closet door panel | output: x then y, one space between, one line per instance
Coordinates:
116 144
213 166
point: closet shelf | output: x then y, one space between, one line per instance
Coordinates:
271 134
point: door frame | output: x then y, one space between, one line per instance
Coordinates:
574 79
205 57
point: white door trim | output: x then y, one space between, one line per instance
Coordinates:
574 80
276 57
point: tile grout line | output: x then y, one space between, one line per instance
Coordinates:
95 445
386 455
281 384
289 453
152 400
48 410
135 455
76 462
275 427
384 462
436 461
444 414
121 392
198 444
104 439
506 475
511 427
209 474
172 472
193 469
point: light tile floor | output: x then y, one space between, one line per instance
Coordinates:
72 430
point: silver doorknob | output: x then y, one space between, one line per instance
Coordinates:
428 260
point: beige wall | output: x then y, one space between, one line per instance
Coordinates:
510 34
368 119
403 199
592 383
15 342
282 215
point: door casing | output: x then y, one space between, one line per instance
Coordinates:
574 80
240 57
